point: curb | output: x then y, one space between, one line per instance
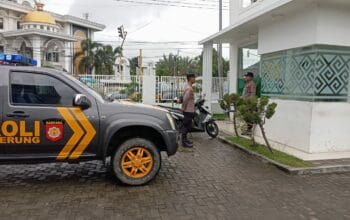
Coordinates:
288 169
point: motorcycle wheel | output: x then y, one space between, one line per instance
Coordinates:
212 129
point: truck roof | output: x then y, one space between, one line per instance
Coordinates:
31 68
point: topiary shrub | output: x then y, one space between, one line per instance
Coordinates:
228 101
255 111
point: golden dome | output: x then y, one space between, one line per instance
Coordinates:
39 16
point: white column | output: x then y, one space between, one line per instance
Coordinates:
149 89
68 57
233 74
207 71
36 44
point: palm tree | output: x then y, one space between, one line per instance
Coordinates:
167 65
98 57
105 57
185 65
175 65
87 55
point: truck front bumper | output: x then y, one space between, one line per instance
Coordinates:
171 139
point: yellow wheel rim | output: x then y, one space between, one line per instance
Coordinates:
137 162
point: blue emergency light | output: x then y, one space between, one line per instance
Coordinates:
34 62
17 59
8 57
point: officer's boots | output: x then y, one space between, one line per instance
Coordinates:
186 142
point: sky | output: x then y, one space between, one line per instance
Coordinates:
180 27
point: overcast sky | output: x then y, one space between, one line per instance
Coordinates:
148 23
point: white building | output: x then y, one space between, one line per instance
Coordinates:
122 70
49 38
303 50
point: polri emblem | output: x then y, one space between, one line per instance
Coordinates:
54 130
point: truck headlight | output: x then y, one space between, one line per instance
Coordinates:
171 121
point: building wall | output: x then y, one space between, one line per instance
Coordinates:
321 23
306 57
333 27
309 73
11 44
330 127
290 126
288 31
244 10
309 130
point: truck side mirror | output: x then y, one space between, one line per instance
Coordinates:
81 101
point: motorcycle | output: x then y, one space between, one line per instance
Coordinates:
202 122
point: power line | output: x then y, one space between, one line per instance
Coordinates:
166 3
140 28
104 4
183 3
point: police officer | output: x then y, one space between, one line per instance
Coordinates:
250 87
249 91
188 110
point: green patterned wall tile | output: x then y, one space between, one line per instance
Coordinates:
313 73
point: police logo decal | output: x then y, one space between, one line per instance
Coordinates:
54 130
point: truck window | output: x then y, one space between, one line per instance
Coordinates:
39 89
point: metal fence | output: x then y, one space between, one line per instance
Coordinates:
169 87
166 87
115 88
218 84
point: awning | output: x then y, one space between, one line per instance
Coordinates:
248 24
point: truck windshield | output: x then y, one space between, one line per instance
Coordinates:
88 89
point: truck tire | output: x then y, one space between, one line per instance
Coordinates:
136 162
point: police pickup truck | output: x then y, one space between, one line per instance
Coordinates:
49 116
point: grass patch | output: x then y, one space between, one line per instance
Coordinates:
220 116
277 156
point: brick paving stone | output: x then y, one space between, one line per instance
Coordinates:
214 181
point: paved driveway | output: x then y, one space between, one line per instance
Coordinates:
213 182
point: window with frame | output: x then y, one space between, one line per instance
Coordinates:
40 89
2 50
1 23
53 57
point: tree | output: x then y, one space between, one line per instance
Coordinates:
185 65
134 63
98 57
87 55
199 64
172 64
105 57
255 111
175 65
228 101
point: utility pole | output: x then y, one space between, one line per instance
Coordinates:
177 62
220 64
174 72
140 63
122 35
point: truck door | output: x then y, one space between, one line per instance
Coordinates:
1 115
40 120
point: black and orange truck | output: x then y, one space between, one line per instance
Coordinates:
50 116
